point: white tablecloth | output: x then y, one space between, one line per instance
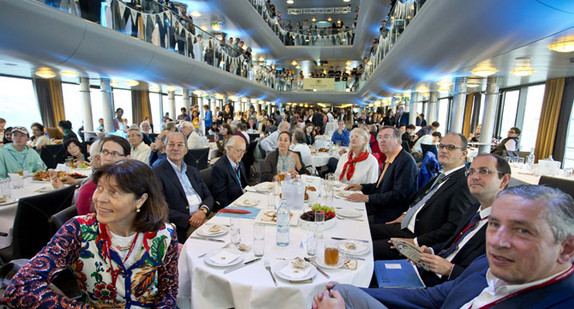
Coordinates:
252 286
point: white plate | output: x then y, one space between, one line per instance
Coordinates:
320 260
235 261
344 194
361 248
8 201
264 187
204 230
277 270
266 216
348 213
246 202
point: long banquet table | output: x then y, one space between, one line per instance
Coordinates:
205 286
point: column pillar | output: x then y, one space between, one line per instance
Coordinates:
458 105
489 116
186 101
107 104
87 100
413 107
171 99
160 102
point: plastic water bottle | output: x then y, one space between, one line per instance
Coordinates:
283 224
530 159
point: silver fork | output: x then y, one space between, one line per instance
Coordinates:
268 267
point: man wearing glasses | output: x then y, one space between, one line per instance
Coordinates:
17 156
509 145
228 176
436 209
388 197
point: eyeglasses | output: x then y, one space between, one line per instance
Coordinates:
386 138
511 131
481 172
449 147
105 152
238 151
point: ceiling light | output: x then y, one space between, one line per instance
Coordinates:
564 45
338 21
294 62
216 27
329 19
444 83
261 59
170 88
522 71
472 85
69 73
233 98
298 67
154 88
484 71
132 83
346 0
197 92
290 1
204 28
313 19
195 14
45 72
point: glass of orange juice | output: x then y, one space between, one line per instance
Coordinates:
331 253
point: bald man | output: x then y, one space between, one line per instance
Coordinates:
228 176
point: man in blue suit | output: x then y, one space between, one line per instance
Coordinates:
528 262
187 196
228 174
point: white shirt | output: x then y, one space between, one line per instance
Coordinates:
510 145
305 152
194 141
425 139
483 214
366 171
498 288
270 142
141 153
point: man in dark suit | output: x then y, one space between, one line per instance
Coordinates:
228 174
436 209
187 196
467 243
388 197
529 250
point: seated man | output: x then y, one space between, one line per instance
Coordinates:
429 139
187 196
140 150
342 135
436 209
228 175
18 157
528 262
487 176
387 199
194 141
509 145
426 130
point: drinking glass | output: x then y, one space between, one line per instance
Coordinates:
17 181
319 224
271 198
5 189
331 253
235 231
258 240
311 244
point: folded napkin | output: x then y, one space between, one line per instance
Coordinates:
295 273
250 189
224 257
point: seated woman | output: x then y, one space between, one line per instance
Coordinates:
124 255
310 133
358 165
282 160
214 129
227 132
39 138
75 149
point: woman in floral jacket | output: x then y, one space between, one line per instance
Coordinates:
123 256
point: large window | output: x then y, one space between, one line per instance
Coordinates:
155 113
73 105
509 111
569 151
443 115
123 99
18 102
532 111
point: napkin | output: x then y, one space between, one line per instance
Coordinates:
224 257
290 272
250 189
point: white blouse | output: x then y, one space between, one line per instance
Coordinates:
366 171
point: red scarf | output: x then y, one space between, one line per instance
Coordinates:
351 164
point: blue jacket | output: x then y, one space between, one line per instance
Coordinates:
343 138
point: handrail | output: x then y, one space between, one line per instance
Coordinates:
312 36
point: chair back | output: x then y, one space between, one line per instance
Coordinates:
61 217
564 185
206 176
249 158
52 155
33 228
406 147
431 148
197 158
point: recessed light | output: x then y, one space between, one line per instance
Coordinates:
195 14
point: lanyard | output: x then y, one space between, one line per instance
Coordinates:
563 276
284 160
20 162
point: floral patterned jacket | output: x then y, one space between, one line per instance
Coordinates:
152 281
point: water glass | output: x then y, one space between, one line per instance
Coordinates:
235 231
258 240
319 224
5 189
17 181
271 198
311 244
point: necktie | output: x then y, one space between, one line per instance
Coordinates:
383 173
469 227
413 210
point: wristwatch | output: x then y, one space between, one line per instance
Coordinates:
204 209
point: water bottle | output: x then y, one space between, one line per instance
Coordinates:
530 159
283 224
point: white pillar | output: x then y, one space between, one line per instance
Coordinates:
171 98
489 116
186 100
413 107
432 116
107 104
87 100
458 105
160 102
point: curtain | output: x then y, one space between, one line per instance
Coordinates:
467 114
140 105
563 120
50 100
549 118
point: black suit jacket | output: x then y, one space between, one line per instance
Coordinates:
176 198
225 186
440 216
472 249
391 198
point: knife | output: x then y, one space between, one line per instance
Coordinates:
343 238
208 239
318 268
240 265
